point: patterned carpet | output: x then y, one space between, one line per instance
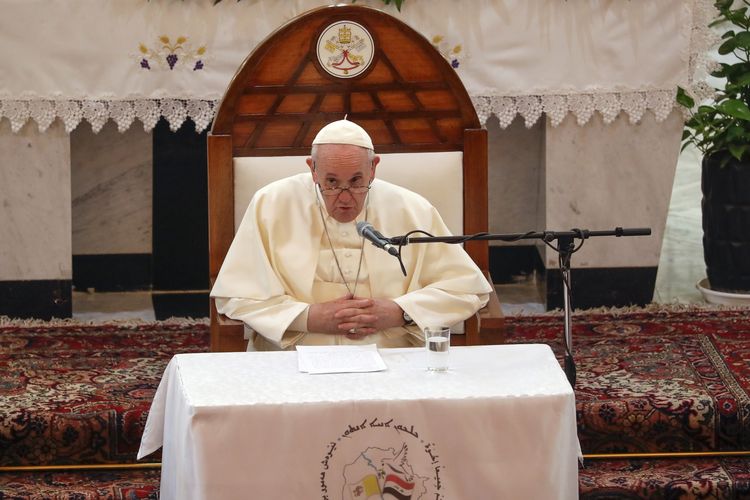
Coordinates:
81 394
720 479
81 485
664 382
656 381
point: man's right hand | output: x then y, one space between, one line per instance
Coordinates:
327 317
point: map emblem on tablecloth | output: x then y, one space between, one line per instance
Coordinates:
345 49
381 458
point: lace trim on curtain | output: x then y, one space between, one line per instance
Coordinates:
201 112
700 64
97 113
582 106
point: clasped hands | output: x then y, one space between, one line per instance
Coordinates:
355 317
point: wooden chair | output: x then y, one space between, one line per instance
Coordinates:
408 98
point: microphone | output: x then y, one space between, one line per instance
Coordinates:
368 232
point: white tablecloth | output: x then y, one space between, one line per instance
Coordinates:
499 424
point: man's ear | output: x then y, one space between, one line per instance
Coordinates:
375 161
311 164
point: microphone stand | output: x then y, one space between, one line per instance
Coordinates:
566 247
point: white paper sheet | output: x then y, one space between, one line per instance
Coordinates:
339 359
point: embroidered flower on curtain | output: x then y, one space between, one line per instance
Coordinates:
170 54
449 53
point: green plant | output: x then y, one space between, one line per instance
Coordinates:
723 126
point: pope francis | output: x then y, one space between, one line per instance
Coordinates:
298 272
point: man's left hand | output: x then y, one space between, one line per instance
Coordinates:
382 314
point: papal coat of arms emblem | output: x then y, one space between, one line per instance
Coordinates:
345 49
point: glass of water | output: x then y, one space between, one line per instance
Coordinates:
437 344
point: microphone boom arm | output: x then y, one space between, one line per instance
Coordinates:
565 248
546 236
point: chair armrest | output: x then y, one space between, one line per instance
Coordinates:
489 321
227 335
227 322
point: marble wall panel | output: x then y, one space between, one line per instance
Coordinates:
112 191
600 176
35 225
515 159
681 265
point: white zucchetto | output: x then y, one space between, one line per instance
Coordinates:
343 132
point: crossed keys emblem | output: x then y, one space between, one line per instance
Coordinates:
345 49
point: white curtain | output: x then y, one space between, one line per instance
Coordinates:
126 59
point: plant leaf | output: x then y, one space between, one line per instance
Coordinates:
742 39
723 4
735 108
735 133
683 99
743 80
737 150
727 47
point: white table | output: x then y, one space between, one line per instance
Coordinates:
499 424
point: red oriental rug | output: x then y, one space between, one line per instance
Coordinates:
663 381
684 479
124 484
648 381
73 394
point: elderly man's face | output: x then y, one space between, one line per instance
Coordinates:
342 166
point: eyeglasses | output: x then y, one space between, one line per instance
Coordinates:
336 191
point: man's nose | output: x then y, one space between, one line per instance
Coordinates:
348 193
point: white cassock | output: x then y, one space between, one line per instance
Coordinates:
280 262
